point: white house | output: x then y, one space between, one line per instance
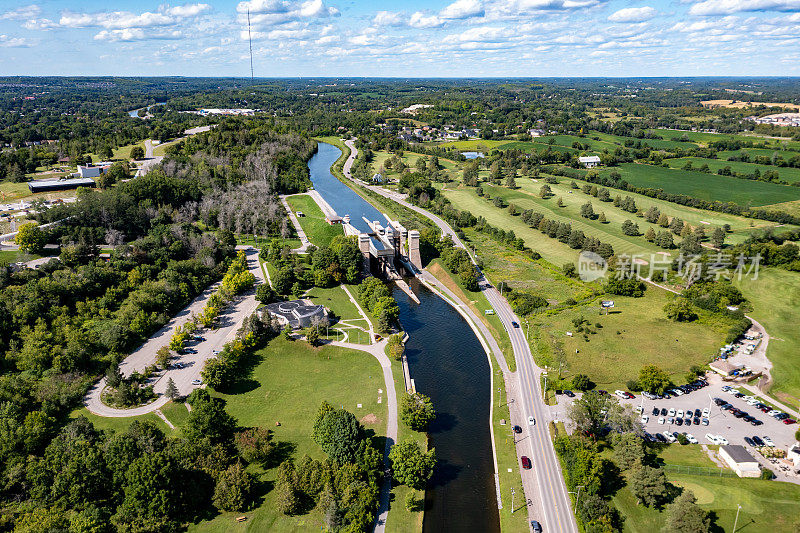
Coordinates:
377 178
589 161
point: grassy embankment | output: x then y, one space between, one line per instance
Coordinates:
792 175
287 386
318 231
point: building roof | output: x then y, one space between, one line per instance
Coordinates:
738 453
60 184
296 312
723 367
589 159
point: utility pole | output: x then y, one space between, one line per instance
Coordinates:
577 495
735 522
250 40
512 499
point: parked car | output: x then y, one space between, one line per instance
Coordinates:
788 421
661 437
711 438
706 412
517 429
758 440
691 438
196 382
671 411
569 393
704 421
536 526
660 419
526 463
531 421
655 411
679 414
663 411
768 442
749 441
679 421
645 419
722 440
670 437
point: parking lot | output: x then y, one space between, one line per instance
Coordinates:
720 422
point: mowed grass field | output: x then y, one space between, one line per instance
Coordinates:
792 175
318 231
766 505
634 334
706 186
288 386
705 138
775 297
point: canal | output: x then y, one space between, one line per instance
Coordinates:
447 363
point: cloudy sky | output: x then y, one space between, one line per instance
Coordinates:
412 38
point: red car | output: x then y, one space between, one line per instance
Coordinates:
526 463
788 421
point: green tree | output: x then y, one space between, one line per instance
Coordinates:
653 379
137 152
685 516
163 356
718 238
338 433
313 335
30 237
172 390
416 411
648 484
680 310
650 234
208 419
582 382
396 347
628 450
234 488
152 495
410 466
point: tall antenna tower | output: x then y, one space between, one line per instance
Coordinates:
250 40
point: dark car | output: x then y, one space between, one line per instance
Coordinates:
514 324
719 401
663 411
697 421
517 429
697 412
536 526
526 463
661 437
569 393
688 421
739 414
756 422
679 421
749 441
602 392
655 411
758 440
738 395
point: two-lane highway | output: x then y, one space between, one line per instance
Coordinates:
557 515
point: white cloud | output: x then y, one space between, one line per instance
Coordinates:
726 7
479 34
423 20
292 9
135 34
387 18
14 42
115 20
633 14
21 13
187 10
463 9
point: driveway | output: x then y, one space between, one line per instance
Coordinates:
228 322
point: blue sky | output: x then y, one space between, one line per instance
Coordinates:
388 38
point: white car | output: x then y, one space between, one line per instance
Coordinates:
691 438
677 392
671 411
660 419
679 414
722 440
531 421
645 419
638 409
731 391
706 412
773 413
726 388
670 437
621 394
196 382
768 441
711 438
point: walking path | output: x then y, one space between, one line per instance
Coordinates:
305 243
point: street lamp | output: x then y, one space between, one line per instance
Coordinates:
512 499
738 508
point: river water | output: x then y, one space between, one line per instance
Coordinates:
447 363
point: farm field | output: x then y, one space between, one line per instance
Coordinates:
618 350
653 143
766 505
753 152
792 175
775 297
318 231
707 186
538 146
705 138
288 386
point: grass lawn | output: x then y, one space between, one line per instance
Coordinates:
789 174
775 297
176 412
318 231
707 186
766 505
478 303
14 256
705 138
120 424
336 300
635 334
288 386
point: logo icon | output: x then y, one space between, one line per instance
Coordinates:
591 266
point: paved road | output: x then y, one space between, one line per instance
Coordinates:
151 160
229 322
545 479
304 242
